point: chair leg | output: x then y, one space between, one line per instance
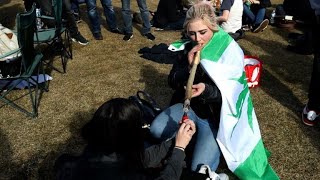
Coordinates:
68 44
33 98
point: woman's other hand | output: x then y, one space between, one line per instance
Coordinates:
197 89
185 133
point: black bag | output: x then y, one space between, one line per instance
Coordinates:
147 105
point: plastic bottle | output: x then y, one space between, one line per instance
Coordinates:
38 19
273 15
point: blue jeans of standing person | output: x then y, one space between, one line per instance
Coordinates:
108 13
253 14
127 18
205 151
75 6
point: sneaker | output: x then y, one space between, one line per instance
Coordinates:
116 30
149 36
262 26
77 17
80 39
98 36
246 27
127 37
205 169
310 117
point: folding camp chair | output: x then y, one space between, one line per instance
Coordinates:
58 38
31 65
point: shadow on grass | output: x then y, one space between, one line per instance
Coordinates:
287 66
8 168
156 85
290 68
73 145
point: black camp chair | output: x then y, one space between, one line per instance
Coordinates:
31 65
57 38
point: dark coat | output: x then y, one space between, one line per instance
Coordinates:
94 165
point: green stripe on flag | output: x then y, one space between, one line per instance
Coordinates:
216 46
256 166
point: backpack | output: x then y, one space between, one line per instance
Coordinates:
148 107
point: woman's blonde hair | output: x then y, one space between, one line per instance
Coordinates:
201 10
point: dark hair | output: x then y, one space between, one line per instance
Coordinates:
116 127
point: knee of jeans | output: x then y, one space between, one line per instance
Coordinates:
155 131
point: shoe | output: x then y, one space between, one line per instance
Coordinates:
246 27
80 39
127 37
98 36
205 169
77 17
262 26
149 36
310 117
116 30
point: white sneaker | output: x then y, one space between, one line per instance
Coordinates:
205 169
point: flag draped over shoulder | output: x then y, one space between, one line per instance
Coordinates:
239 136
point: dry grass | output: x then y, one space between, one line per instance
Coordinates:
113 68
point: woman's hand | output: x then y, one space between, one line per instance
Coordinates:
185 133
197 89
192 53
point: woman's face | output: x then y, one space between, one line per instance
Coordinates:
199 32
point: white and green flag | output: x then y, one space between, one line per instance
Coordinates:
239 136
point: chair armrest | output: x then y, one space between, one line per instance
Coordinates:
46 17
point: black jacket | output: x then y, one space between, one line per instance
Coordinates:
93 165
208 104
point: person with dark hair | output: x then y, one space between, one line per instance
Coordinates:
311 112
116 147
46 9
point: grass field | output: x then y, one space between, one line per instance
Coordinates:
113 68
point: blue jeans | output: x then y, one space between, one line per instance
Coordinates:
127 18
255 15
108 13
205 150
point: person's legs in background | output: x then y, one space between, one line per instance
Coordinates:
110 16
75 9
248 15
260 14
127 20
71 24
94 19
311 112
260 23
146 25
